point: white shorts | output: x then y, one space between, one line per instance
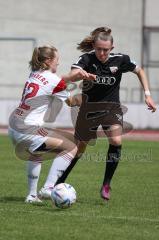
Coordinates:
31 142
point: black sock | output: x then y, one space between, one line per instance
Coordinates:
67 171
113 157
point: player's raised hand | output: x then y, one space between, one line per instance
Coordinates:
91 76
150 103
78 74
82 74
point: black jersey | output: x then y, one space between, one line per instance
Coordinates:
107 84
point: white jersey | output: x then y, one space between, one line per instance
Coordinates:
43 94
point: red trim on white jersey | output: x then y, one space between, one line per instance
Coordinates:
42 132
60 87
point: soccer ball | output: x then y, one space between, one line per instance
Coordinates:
63 195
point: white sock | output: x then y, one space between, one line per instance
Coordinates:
59 165
33 172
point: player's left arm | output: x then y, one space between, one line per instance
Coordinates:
144 82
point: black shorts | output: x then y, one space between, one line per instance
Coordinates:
88 121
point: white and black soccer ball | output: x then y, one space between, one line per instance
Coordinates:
63 195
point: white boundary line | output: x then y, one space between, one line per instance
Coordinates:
71 214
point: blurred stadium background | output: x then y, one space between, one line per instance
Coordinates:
26 24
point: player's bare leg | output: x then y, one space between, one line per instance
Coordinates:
81 145
67 150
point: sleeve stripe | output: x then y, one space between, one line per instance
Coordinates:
76 66
60 87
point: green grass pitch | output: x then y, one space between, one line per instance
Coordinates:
132 213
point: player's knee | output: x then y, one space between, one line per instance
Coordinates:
115 141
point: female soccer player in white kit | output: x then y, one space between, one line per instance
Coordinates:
26 123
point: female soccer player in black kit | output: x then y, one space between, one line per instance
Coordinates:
100 99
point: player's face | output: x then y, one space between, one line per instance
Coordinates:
53 63
102 49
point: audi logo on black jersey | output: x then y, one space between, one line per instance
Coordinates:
105 80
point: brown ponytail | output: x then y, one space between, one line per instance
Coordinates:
105 30
39 57
101 33
86 44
